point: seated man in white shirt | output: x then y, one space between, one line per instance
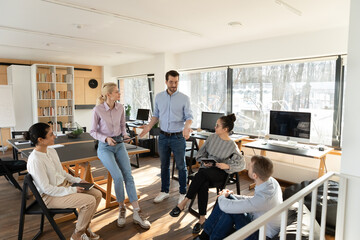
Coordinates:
54 184
239 210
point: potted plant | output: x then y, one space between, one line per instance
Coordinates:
76 133
76 130
127 112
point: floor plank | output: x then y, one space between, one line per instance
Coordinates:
147 179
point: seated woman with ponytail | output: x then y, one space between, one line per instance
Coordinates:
54 184
220 147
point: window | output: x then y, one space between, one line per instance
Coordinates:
206 90
135 92
302 86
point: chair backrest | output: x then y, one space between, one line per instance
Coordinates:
3 168
28 183
130 132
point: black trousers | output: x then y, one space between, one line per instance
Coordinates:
205 178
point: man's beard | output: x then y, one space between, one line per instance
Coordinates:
172 90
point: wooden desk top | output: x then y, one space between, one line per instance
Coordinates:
84 152
303 150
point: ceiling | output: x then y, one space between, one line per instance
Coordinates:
112 32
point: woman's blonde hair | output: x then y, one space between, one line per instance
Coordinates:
105 89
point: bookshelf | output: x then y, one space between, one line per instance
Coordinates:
53 94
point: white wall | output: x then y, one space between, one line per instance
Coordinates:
83 116
350 161
159 65
311 44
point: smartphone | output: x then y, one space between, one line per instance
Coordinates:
86 186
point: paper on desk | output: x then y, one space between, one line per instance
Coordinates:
22 142
56 146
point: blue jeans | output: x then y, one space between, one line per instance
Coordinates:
220 225
117 162
177 145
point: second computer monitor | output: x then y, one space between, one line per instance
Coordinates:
208 120
142 114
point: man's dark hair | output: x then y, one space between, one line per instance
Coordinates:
172 73
263 167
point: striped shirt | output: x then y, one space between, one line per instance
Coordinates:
223 151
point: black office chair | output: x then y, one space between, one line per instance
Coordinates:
130 132
232 176
9 167
38 207
190 154
16 134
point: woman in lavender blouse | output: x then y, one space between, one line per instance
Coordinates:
108 121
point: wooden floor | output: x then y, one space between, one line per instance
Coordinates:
147 179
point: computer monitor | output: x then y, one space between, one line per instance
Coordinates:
208 120
142 114
293 126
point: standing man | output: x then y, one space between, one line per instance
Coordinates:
172 108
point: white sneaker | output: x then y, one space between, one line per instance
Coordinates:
82 237
140 219
161 197
121 219
92 235
181 198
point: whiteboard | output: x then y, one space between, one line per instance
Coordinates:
7 116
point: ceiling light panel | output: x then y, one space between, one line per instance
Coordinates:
122 17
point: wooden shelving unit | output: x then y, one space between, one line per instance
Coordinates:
53 94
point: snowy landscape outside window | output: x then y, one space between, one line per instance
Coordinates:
135 92
302 87
207 92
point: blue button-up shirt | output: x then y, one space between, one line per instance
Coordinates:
172 111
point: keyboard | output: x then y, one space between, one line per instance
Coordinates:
283 144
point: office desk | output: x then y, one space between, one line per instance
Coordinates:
237 138
80 155
303 152
64 140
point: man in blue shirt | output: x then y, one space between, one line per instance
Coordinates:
172 109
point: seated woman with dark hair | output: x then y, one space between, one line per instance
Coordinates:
228 158
54 184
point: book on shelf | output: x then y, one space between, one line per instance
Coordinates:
45 77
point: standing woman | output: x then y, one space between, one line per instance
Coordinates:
54 184
108 122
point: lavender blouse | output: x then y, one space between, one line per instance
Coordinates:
108 122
